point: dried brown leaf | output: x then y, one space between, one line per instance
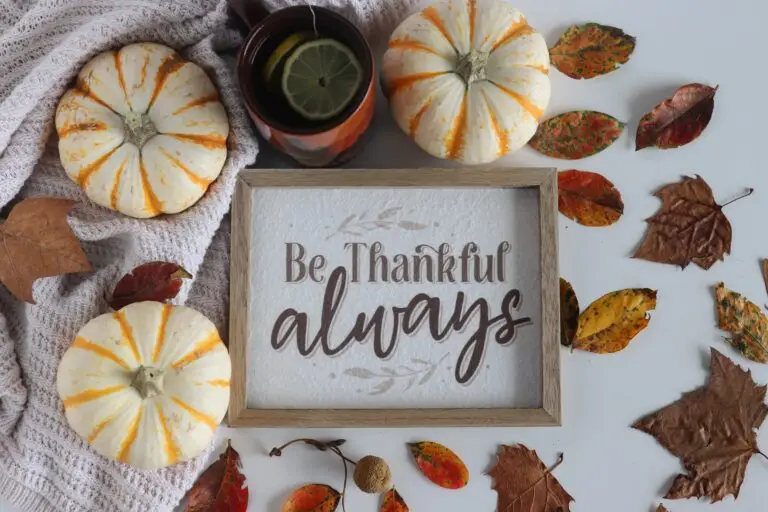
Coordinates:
679 120
221 487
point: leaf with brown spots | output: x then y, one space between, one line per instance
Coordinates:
689 228
36 241
590 50
613 320
577 134
569 313
588 198
524 484
313 498
712 430
440 464
746 323
678 120
393 502
158 280
221 487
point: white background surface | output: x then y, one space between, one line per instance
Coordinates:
608 466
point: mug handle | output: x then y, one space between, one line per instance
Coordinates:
250 12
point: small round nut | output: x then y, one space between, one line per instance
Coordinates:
372 475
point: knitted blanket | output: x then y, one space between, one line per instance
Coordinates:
44 465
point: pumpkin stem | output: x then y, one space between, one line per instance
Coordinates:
139 128
471 67
148 381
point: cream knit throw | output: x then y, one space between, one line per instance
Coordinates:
44 465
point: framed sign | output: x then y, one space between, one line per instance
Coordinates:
395 298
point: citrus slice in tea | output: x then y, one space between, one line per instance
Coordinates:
282 51
320 79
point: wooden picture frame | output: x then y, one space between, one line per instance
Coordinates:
544 180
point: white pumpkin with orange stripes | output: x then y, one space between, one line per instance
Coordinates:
468 80
147 385
142 131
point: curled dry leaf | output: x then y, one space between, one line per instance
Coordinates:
313 498
569 313
524 484
746 323
712 430
613 320
588 198
221 487
690 227
590 50
440 464
678 120
158 280
576 134
36 241
393 502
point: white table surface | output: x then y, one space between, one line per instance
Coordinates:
608 466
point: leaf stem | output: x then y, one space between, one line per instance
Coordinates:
764 455
737 198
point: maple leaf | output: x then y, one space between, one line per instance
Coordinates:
712 430
524 484
36 241
689 228
746 323
221 487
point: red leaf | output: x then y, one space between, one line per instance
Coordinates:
440 464
393 502
158 280
313 498
577 134
678 120
221 487
588 198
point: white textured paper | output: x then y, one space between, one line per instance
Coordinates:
420 372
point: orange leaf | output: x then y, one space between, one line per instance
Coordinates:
393 502
590 50
440 464
588 198
313 498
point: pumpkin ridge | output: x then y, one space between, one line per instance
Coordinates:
86 172
143 72
133 433
431 15
407 44
220 383
201 348
401 82
211 141
169 66
127 332
413 124
199 102
101 426
454 141
83 88
172 451
514 31
150 199
472 12
116 186
194 178
498 131
160 338
204 418
90 395
88 126
524 102
121 78
84 344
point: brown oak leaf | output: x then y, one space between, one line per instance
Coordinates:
712 430
689 228
524 484
221 487
36 241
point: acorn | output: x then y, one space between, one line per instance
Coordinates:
372 475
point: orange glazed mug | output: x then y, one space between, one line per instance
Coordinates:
313 144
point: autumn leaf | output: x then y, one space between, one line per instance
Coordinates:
576 135
441 465
524 484
590 50
662 508
36 241
746 323
588 198
313 498
690 226
569 313
678 120
712 430
393 502
221 487
610 323
764 267
158 280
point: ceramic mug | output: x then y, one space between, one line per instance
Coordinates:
319 144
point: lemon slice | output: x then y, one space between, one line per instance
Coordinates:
282 51
320 79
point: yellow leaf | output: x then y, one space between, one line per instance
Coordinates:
610 323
